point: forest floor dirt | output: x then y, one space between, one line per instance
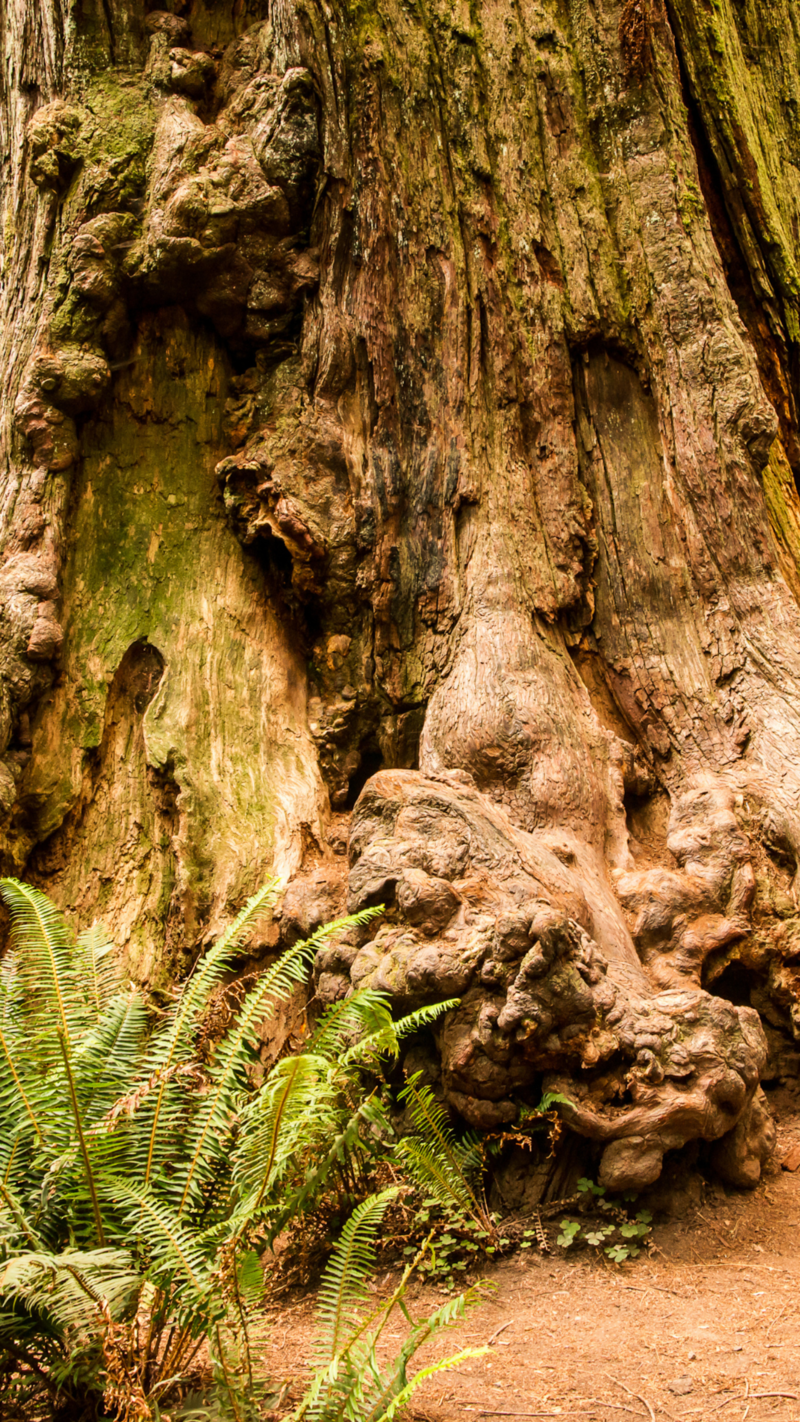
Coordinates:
704 1325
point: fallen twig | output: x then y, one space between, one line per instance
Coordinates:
494 1412
615 1406
746 1396
498 1331
724 1403
601 1402
631 1393
490 1412
632 1289
777 1319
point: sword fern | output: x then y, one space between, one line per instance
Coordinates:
132 1169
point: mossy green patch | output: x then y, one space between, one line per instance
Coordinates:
153 561
783 507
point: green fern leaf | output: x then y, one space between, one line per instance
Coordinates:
76 1291
384 1040
209 1132
44 951
438 1157
278 1124
98 967
367 1013
149 1219
344 1282
173 1043
404 1396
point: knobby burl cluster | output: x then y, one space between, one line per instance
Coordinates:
499 918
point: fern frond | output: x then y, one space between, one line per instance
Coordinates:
171 1247
384 1041
44 951
350 1384
443 1317
435 1175
431 1120
98 966
18 1094
10 1202
209 1132
83 1144
173 1042
359 919
345 1360
438 1160
259 903
326 931
76 1291
404 1396
371 1113
424 1017
108 1056
292 1097
367 1013
344 1282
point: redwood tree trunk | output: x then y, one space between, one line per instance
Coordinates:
399 446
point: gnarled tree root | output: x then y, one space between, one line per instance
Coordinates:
481 910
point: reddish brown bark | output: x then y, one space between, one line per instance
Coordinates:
418 386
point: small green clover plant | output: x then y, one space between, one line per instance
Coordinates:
570 1230
455 1249
619 1241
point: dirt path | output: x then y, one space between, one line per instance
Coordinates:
706 1325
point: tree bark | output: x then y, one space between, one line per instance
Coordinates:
399 451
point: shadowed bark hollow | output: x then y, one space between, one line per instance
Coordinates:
398 461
